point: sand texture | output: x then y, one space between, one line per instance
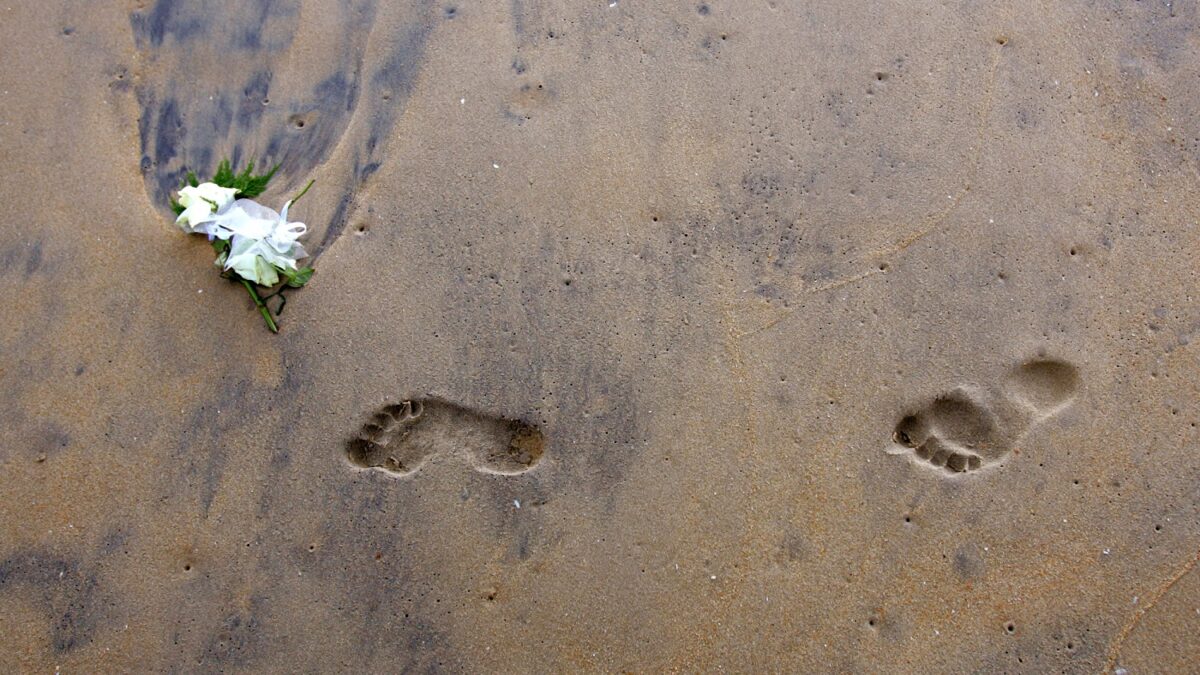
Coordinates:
754 336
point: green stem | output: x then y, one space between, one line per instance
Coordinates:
297 197
262 307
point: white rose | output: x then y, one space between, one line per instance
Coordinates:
199 205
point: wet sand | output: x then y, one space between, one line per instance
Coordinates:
697 336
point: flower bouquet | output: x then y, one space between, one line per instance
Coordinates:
255 246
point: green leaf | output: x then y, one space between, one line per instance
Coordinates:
191 179
176 207
297 278
220 245
247 183
253 186
224 175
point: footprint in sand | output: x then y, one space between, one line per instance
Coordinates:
969 428
401 438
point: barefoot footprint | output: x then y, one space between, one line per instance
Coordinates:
968 428
401 438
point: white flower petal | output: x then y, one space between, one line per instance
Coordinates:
214 195
200 202
194 215
244 259
211 192
254 268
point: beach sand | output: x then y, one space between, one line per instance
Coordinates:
645 336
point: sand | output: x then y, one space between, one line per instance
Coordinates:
645 336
